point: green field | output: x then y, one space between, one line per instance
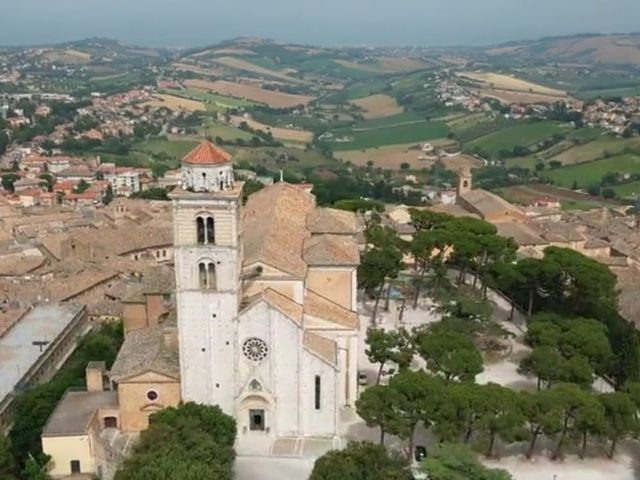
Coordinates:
393 120
212 101
526 135
176 149
596 149
586 174
610 93
276 158
414 132
629 190
364 89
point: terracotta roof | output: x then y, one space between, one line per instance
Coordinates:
287 306
76 410
596 243
331 250
206 154
321 307
487 203
331 220
280 302
275 227
322 347
21 263
523 235
144 350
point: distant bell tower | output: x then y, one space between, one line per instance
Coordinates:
208 259
464 181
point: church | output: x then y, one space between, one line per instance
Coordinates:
264 324
266 303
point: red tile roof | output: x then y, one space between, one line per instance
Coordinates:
206 154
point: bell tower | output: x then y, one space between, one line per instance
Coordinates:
464 181
208 260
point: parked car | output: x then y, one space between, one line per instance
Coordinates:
363 379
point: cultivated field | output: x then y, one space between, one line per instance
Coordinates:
585 174
458 162
276 158
376 106
67 56
215 72
505 82
260 95
510 96
629 190
240 64
596 149
570 199
176 103
386 65
224 51
176 149
212 101
349 139
287 134
525 134
393 156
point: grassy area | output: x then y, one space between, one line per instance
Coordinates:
212 101
586 174
415 132
476 127
596 149
276 158
133 159
574 141
393 120
610 93
176 148
364 89
525 135
629 190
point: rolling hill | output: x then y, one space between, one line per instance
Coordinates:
588 49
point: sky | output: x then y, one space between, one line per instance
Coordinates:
186 23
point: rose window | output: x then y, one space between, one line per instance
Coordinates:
255 349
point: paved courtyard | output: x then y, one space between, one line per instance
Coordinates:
272 468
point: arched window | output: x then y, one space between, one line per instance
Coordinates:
221 184
211 230
211 276
202 275
207 275
200 230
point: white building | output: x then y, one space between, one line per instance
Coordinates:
58 164
123 182
266 304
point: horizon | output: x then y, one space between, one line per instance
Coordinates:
194 23
283 41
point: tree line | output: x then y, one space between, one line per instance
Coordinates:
574 331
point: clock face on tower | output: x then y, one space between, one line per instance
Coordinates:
255 349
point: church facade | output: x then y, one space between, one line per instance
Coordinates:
265 300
